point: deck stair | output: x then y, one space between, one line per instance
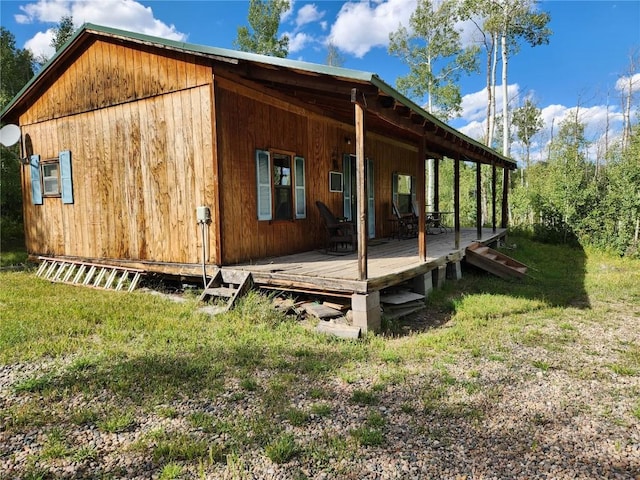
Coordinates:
494 262
72 272
225 287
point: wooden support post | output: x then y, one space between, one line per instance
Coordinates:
420 198
505 198
456 201
493 196
436 185
361 187
479 200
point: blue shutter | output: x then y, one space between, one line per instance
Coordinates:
414 197
394 191
371 203
36 183
263 182
65 176
301 197
346 190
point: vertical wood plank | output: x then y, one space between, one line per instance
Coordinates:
493 196
456 201
361 192
505 198
422 231
479 200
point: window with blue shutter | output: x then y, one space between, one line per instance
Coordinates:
263 180
65 176
301 200
36 183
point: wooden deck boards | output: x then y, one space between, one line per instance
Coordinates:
390 261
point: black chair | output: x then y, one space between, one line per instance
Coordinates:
407 223
340 234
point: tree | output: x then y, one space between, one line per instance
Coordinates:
629 85
515 20
433 51
334 58
16 67
528 122
62 32
264 20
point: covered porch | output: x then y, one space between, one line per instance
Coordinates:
390 262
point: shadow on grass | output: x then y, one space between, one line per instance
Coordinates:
555 278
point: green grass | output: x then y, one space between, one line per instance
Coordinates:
141 352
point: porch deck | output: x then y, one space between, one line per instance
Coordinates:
390 262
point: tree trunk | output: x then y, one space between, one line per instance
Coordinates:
505 97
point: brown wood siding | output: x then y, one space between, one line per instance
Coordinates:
246 124
141 159
107 73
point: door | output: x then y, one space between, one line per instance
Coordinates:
350 192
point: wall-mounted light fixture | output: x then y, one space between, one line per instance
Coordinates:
347 140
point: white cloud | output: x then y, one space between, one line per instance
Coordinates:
622 85
298 41
474 105
361 26
308 14
124 14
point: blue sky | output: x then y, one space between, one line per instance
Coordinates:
588 52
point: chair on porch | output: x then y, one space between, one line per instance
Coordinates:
340 233
407 223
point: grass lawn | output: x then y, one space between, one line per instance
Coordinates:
221 391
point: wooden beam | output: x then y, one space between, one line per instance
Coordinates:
361 186
436 184
422 231
456 201
479 200
493 197
505 198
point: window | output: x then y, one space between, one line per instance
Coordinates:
404 192
280 186
51 178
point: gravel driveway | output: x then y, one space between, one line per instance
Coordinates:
523 411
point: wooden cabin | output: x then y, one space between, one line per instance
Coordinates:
125 135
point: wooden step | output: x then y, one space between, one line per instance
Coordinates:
227 286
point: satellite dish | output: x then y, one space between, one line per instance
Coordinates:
9 135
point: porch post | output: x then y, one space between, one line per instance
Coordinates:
456 201
505 197
436 185
420 198
361 186
493 196
479 200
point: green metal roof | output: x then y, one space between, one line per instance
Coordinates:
236 56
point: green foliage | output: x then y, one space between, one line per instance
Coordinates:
62 32
282 449
432 49
571 200
264 21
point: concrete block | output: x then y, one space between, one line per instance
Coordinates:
423 284
439 275
454 271
366 311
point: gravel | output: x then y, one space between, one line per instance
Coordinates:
530 412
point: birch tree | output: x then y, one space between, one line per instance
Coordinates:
264 20
629 87
433 50
528 122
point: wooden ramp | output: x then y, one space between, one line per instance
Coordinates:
226 286
494 262
106 277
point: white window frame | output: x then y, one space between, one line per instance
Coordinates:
265 187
